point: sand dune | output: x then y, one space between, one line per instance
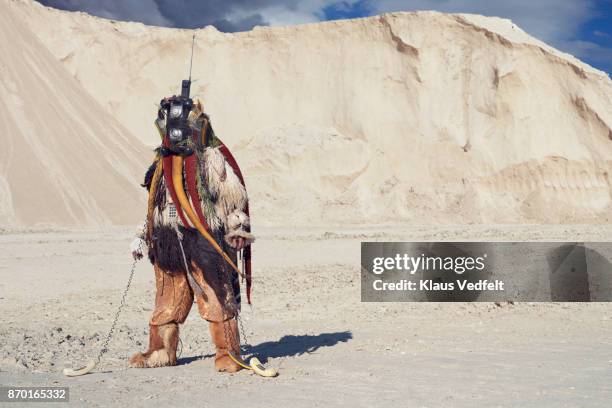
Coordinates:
65 160
409 117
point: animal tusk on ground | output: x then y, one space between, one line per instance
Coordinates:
254 365
259 368
71 372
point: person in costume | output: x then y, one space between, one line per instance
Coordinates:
197 226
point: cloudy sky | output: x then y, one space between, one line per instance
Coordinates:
580 27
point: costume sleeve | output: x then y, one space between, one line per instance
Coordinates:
229 195
138 245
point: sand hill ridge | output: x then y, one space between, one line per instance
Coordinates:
407 117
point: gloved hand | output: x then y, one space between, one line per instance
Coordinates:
238 224
238 242
137 247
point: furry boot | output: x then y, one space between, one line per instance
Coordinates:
163 341
223 362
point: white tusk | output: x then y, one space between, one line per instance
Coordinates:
260 369
70 372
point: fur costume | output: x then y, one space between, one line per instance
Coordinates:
222 205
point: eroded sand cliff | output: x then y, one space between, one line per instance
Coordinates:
409 117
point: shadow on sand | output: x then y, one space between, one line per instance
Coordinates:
287 346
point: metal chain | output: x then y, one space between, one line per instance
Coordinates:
180 353
104 348
226 324
242 331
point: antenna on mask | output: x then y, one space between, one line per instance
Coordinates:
186 84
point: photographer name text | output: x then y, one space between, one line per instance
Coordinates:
432 286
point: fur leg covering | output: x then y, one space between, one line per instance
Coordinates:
222 333
163 341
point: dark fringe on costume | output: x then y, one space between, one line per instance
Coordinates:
166 253
236 286
228 274
149 176
160 193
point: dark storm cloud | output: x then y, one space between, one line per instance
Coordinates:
145 11
228 16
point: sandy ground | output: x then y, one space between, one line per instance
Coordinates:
59 292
